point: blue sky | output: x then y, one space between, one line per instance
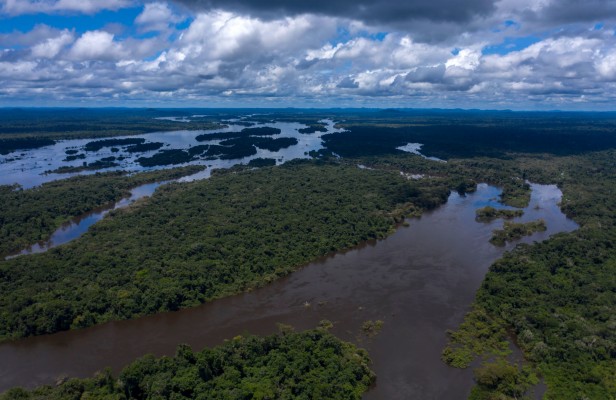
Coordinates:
506 54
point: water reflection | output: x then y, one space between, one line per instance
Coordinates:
80 225
28 167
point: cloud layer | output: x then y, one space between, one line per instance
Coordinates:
519 54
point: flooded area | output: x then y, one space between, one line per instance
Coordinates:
420 281
30 168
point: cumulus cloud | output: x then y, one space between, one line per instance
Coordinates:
96 45
156 17
292 53
49 48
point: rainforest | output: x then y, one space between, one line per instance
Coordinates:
307 253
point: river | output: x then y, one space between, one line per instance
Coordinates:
420 281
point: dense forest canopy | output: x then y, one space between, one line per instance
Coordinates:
308 365
244 228
31 215
193 242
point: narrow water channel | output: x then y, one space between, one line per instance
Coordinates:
420 281
80 225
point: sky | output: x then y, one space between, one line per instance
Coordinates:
506 54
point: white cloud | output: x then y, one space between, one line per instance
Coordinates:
466 59
224 54
606 66
156 17
52 46
95 45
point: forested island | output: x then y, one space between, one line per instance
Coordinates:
160 255
513 231
488 214
311 365
247 226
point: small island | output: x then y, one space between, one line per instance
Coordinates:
103 163
489 214
513 231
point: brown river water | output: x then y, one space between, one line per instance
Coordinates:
420 281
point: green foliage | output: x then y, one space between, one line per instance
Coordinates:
262 162
479 335
193 242
501 380
31 215
372 328
9 145
516 230
460 174
488 214
93 166
143 147
312 128
71 123
516 193
266 143
244 133
166 157
308 365
99 144
558 296
478 136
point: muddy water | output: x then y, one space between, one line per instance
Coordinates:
419 281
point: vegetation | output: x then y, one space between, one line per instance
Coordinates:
193 242
509 381
230 148
93 166
261 131
143 147
99 144
308 365
198 150
480 334
462 175
72 123
312 128
32 215
265 143
244 133
372 328
513 231
10 145
218 136
262 162
516 192
166 157
555 299
489 214
445 140
557 296
74 157
239 148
